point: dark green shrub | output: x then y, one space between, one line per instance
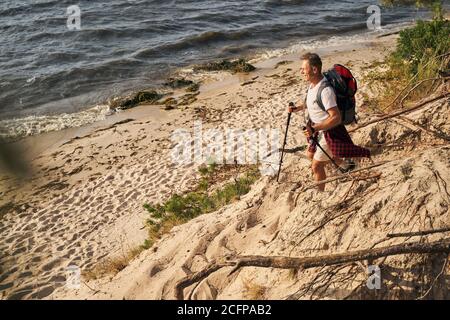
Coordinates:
417 46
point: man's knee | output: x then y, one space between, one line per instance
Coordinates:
310 155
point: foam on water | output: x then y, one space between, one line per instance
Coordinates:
12 129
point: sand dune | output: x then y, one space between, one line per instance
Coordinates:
84 201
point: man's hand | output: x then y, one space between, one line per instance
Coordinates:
292 107
307 131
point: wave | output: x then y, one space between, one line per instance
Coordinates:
279 3
74 86
26 8
259 31
202 39
106 33
284 2
46 35
13 129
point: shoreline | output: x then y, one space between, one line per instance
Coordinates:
95 116
84 201
215 81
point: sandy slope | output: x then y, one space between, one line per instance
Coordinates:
84 202
411 194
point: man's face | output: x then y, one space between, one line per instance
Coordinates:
307 71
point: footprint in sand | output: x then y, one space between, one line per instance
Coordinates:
69 200
40 248
20 293
51 265
45 227
44 292
19 251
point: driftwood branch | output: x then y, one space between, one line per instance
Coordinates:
398 113
199 276
417 233
438 135
281 262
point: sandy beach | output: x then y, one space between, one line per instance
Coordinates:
84 200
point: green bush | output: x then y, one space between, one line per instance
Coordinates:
420 55
418 45
436 5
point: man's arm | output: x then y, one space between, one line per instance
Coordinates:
332 121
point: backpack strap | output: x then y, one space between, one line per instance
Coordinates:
305 112
322 87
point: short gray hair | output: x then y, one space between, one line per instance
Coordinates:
313 59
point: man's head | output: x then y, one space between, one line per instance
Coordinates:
311 67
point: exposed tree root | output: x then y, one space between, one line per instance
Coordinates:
282 262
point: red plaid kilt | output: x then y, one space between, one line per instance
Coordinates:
341 144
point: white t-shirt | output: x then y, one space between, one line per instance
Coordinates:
316 114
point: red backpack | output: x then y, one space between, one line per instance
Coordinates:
344 85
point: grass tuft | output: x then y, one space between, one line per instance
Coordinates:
205 198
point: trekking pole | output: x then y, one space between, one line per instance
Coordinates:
291 104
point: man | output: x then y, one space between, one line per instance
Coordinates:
324 125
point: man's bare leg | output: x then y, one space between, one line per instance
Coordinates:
318 168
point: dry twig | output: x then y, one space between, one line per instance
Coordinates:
417 233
